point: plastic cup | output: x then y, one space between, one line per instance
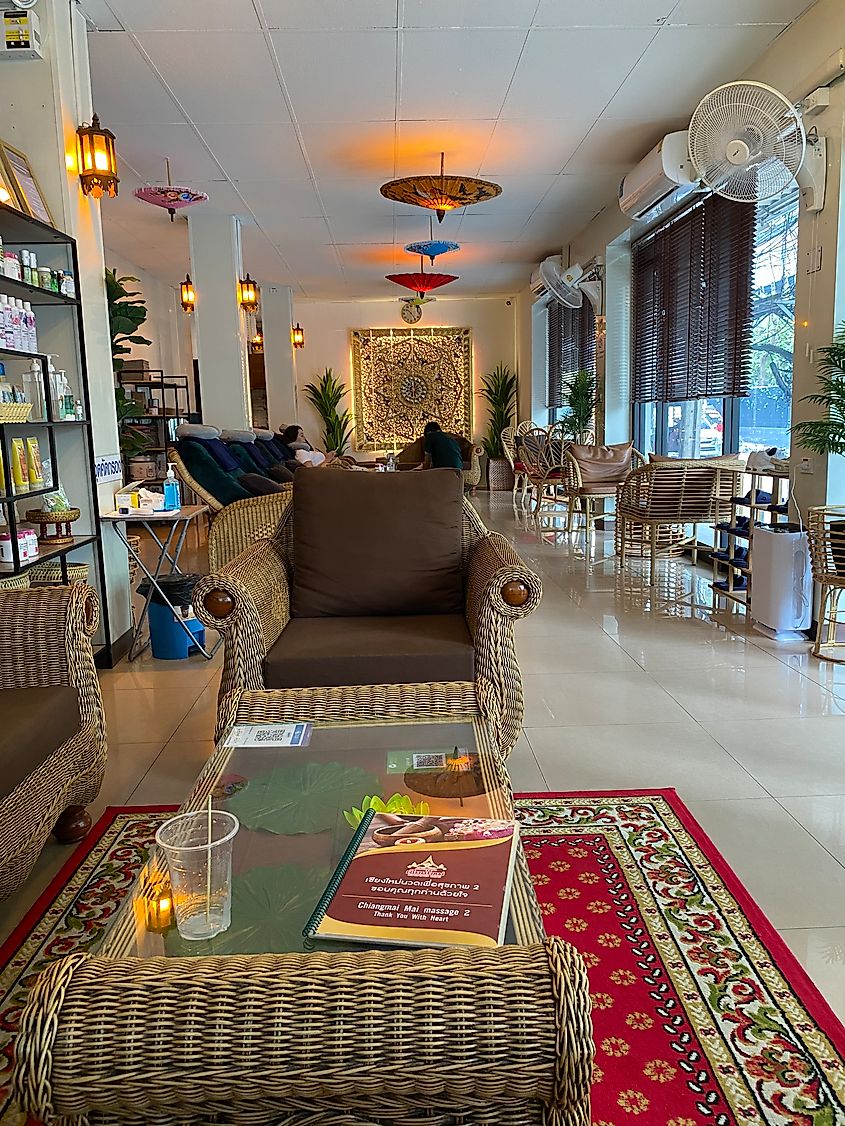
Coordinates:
200 870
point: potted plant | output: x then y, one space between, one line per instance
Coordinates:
500 389
325 396
581 401
126 315
827 435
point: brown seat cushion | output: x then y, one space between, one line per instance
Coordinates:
322 652
414 452
36 722
602 467
376 543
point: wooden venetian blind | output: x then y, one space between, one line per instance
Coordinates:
692 304
571 347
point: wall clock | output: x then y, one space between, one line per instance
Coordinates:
411 313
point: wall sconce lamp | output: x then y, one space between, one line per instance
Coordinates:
297 336
248 294
97 159
187 294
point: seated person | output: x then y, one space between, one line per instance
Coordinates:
442 451
295 444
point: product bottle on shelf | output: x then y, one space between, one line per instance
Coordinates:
31 331
33 387
17 336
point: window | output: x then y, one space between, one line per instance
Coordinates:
571 348
692 304
765 414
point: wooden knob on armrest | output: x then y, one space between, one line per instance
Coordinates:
515 593
219 603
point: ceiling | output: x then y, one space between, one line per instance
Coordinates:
291 113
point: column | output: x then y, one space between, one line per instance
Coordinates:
219 323
279 355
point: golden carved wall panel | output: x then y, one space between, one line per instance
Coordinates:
404 377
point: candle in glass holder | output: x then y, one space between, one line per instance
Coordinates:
159 911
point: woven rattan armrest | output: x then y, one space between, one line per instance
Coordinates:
241 523
498 580
502 1036
45 636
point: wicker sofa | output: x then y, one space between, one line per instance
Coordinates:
53 736
399 1038
369 656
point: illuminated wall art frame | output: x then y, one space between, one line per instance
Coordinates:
404 377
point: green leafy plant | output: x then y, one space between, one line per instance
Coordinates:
827 435
132 442
126 315
581 401
396 803
325 396
499 388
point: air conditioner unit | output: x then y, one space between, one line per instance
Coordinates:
661 180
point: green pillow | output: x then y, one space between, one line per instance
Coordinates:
202 466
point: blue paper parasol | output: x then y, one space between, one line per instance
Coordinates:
431 248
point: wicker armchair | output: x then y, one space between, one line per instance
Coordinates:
241 523
543 456
582 496
248 603
45 639
191 482
661 504
826 533
399 1038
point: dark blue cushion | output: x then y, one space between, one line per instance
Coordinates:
221 453
273 448
260 454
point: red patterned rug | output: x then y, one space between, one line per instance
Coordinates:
702 1017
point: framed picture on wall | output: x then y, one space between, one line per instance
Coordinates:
21 178
8 195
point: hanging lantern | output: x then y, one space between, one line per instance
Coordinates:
297 336
97 159
187 294
248 294
172 196
440 193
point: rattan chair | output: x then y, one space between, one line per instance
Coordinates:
826 533
543 455
204 496
583 499
395 1038
509 436
242 523
45 639
248 603
660 506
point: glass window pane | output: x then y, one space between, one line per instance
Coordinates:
765 413
647 430
694 428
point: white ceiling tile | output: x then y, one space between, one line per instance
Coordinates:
256 152
541 145
467 71
122 80
233 80
421 143
574 73
339 76
469 13
690 61
478 225
223 197
619 142
605 13
186 15
330 14
145 147
589 188
734 12
336 150
519 193
298 233
271 199
100 16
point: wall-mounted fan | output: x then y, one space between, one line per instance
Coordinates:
568 284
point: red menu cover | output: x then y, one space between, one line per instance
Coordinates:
421 881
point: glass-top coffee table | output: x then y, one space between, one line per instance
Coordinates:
293 803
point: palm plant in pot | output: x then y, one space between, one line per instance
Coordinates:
326 396
500 389
581 401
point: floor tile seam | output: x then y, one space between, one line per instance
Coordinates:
811 835
736 761
536 759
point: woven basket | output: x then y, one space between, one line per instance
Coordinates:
50 574
14 582
499 475
15 412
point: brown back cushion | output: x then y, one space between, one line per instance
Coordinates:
414 452
36 722
367 544
604 464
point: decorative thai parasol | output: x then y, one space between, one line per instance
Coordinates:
440 193
433 246
421 282
172 196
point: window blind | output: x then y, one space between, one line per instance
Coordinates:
692 304
571 347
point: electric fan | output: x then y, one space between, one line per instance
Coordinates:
569 285
746 141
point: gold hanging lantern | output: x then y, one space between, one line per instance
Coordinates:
297 336
248 294
188 294
97 160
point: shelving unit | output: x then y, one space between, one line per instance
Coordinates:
65 445
174 404
735 535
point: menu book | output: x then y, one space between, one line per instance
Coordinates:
407 880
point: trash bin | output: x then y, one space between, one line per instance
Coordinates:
168 640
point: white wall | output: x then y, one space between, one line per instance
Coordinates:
163 324
327 325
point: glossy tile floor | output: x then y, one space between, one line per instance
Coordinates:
626 687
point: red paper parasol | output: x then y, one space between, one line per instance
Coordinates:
421 282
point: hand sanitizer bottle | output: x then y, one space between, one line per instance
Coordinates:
172 492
